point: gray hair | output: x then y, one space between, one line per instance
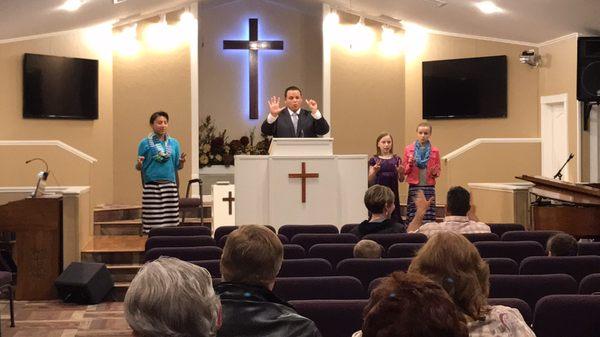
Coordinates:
174 298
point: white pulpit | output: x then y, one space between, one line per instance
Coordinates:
223 210
300 182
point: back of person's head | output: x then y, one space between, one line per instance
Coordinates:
170 297
454 263
377 197
458 201
411 305
367 249
562 245
252 255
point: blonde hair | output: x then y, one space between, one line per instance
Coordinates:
453 262
253 255
381 135
170 297
377 197
425 124
367 249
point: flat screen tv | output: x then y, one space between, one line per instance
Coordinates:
465 88
59 87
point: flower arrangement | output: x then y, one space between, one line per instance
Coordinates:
216 149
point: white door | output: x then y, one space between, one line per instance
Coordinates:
555 144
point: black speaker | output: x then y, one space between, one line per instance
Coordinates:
84 283
588 69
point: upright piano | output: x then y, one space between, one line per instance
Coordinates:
37 223
568 207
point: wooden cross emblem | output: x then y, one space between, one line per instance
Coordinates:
253 44
230 200
303 175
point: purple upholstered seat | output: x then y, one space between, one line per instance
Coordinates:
530 288
305 268
179 231
516 250
290 230
516 303
590 284
332 252
404 249
179 241
307 240
185 253
501 228
475 237
502 265
334 318
539 236
347 228
293 252
588 248
319 288
576 266
567 315
213 267
386 240
367 270
223 230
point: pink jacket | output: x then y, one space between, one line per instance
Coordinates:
411 171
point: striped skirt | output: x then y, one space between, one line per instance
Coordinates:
160 205
411 209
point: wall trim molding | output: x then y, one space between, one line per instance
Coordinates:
58 143
476 142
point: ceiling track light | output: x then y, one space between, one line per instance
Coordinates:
437 3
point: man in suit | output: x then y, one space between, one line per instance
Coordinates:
293 121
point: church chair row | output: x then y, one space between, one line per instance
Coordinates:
554 316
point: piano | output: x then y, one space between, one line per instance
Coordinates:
37 223
568 207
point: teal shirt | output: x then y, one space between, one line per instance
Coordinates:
154 170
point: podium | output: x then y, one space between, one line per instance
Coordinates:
38 250
300 182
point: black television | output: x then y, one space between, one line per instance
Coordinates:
465 88
59 87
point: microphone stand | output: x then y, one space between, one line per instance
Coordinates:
558 174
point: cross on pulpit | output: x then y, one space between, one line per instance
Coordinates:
303 175
230 200
253 44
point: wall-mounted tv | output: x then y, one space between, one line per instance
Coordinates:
465 88
59 87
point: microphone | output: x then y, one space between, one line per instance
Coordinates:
558 174
42 177
40 159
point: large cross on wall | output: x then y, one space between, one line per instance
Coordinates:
253 45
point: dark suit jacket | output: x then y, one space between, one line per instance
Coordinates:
308 127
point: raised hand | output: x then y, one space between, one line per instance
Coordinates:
377 165
400 169
140 160
421 203
274 107
182 158
411 160
312 104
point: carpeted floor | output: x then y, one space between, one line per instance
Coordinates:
57 319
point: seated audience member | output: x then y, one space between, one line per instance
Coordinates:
170 297
562 245
379 200
251 259
460 216
367 249
411 305
450 260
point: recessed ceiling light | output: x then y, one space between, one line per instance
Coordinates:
71 5
488 7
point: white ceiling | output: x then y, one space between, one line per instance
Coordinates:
533 21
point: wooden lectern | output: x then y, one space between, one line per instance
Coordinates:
564 206
37 223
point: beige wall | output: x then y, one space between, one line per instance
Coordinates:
224 73
149 81
367 98
94 137
558 75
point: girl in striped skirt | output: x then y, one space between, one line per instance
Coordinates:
421 167
159 158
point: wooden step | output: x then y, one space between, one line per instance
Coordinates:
123 272
130 212
115 249
118 292
133 227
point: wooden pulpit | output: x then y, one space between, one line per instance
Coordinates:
568 207
37 223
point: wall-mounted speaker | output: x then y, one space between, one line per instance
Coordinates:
588 69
